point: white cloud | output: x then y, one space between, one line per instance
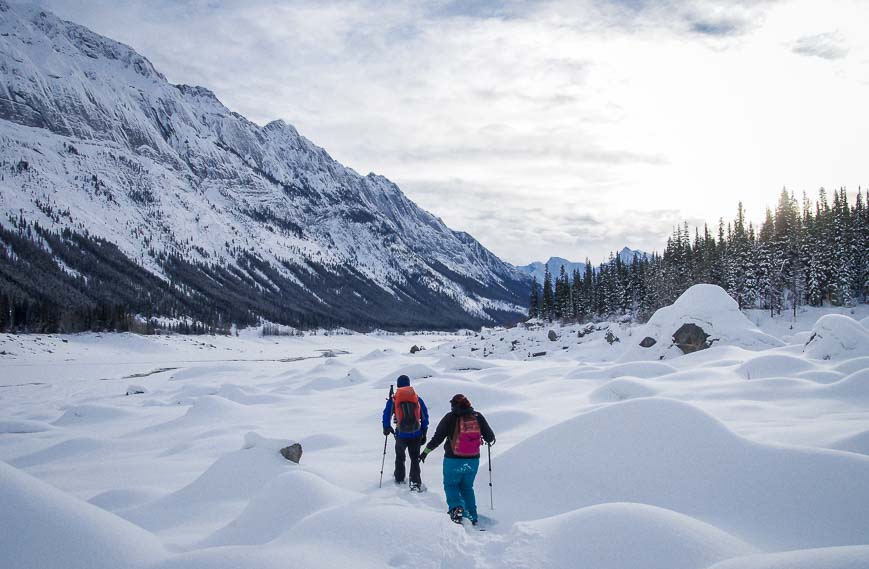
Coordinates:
558 128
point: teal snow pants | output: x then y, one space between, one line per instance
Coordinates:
459 475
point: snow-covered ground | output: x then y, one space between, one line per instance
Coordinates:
750 454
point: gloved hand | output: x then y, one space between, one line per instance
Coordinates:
388 431
492 442
423 454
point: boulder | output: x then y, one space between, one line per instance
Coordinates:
552 336
293 453
691 338
648 342
611 338
136 390
414 349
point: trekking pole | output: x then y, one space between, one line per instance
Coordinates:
385 441
491 491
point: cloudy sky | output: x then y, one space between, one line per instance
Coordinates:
542 128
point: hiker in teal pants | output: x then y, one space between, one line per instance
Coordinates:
459 475
463 429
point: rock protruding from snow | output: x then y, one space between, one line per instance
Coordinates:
836 336
707 307
691 338
293 453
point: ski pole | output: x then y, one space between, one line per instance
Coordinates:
385 441
491 491
383 463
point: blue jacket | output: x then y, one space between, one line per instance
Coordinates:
423 412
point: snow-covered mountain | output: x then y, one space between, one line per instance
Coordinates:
538 269
96 141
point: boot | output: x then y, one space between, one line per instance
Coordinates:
456 514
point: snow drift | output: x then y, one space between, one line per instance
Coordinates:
710 308
41 526
836 336
672 455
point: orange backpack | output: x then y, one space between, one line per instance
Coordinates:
408 415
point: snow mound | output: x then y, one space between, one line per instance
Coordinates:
437 392
44 527
773 365
621 535
64 450
246 396
710 308
836 336
620 390
89 414
854 386
377 355
202 372
206 412
644 370
462 363
850 366
852 557
20 427
413 371
283 502
670 454
236 476
820 375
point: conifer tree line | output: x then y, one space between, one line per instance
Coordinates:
804 253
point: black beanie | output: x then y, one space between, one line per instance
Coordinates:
403 381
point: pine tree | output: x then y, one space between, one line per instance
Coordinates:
547 309
534 300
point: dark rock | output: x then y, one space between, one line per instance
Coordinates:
538 354
414 349
611 338
648 342
293 453
691 338
552 336
585 331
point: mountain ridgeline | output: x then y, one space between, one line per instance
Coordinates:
124 197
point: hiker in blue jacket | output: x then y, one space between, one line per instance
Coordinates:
408 412
464 429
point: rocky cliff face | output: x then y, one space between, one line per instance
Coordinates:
94 140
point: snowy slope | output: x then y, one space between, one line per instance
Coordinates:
93 138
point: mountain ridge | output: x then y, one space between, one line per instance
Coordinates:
91 129
537 269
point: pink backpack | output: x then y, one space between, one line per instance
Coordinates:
467 438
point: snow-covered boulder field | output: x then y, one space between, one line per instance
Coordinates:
165 451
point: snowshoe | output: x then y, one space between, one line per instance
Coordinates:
456 514
417 487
